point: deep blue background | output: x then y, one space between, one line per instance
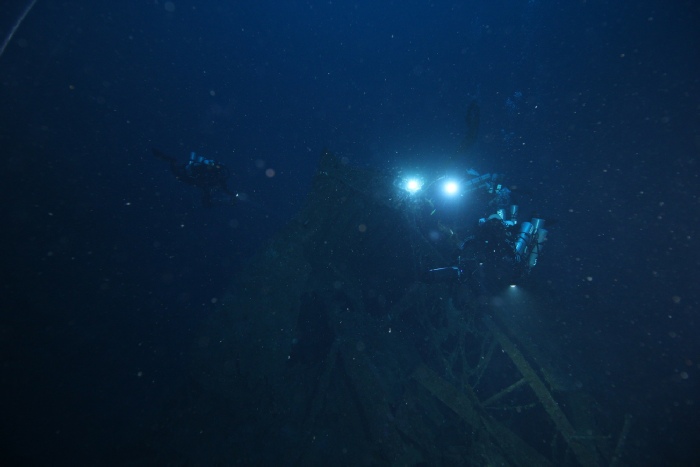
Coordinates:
109 266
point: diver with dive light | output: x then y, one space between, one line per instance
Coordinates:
499 251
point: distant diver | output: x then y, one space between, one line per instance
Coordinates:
472 127
208 175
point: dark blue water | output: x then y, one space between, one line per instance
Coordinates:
109 266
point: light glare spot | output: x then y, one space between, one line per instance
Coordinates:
451 188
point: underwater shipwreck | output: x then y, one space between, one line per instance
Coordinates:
333 349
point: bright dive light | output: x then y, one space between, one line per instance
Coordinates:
451 188
413 185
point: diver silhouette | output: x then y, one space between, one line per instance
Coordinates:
208 175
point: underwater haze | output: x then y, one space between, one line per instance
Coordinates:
119 267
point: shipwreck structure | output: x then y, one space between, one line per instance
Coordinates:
331 349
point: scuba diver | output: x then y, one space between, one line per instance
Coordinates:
208 175
499 251
497 255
